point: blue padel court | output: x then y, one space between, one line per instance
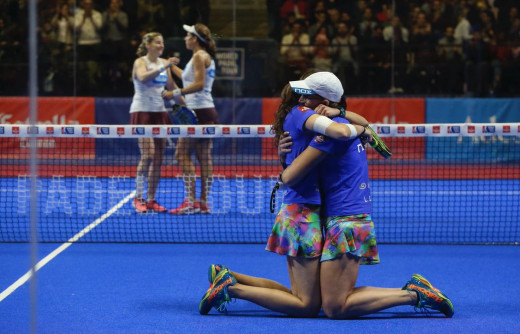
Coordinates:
156 288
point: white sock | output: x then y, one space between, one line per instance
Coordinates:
140 180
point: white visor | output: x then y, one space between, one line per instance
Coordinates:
300 87
191 30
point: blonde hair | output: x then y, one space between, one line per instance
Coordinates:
209 44
147 38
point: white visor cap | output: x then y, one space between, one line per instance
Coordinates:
193 31
324 84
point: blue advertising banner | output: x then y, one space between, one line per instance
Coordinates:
450 110
229 64
237 111
480 149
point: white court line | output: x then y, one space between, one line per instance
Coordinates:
22 280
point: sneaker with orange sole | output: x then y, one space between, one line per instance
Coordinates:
186 208
429 297
139 205
155 207
217 295
203 208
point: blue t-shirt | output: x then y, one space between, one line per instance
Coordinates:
306 191
343 176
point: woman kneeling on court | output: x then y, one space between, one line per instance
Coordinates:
297 230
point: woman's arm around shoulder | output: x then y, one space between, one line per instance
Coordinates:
325 126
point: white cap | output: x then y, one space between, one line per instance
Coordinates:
192 30
324 84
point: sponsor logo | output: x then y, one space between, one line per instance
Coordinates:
506 129
453 129
320 139
138 131
303 91
120 131
471 129
85 131
419 129
208 131
32 130
244 130
103 130
488 129
260 130
383 129
67 130
49 130
436 129
401 129
303 108
191 131
15 130
363 186
156 131
174 131
226 131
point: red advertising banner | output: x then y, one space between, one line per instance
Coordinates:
269 106
51 110
375 110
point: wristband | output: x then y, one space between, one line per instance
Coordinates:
177 93
353 131
342 112
162 68
362 133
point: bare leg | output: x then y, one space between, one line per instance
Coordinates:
154 174
203 152
143 167
259 282
342 300
303 301
182 154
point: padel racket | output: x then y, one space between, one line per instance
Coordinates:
379 145
182 115
272 202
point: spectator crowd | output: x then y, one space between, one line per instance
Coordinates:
456 48
428 47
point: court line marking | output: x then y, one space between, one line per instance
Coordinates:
22 280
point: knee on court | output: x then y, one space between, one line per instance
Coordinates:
336 309
310 310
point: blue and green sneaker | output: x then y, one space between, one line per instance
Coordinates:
217 295
429 297
213 271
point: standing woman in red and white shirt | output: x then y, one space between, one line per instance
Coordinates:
150 76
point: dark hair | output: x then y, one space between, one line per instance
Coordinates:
209 45
289 100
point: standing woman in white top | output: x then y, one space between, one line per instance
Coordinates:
150 76
197 79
